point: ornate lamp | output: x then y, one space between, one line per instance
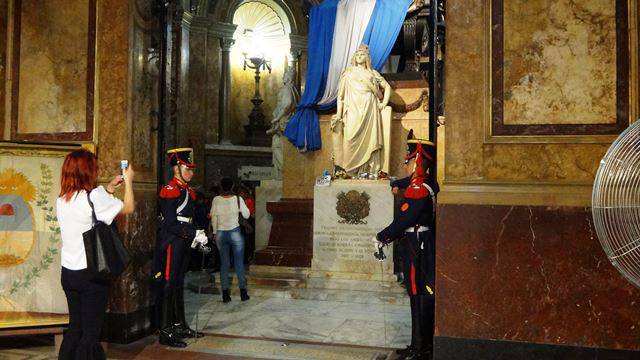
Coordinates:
257 63
254 59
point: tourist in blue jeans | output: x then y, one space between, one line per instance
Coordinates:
225 210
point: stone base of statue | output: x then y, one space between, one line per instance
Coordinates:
290 240
268 191
347 214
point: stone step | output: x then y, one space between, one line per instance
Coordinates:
308 272
276 280
298 279
279 286
363 285
353 296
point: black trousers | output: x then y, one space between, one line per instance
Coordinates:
170 289
87 301
417 251
422 322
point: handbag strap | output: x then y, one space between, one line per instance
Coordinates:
238 200
93 210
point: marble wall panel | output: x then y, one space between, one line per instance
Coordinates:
125 91
468 157
559 64
4 22
131 291
193 127
112 63
465 89
144 75
53 66
532 274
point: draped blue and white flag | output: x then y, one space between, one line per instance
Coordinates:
336 29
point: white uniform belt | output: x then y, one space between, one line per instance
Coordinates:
184 219
417 229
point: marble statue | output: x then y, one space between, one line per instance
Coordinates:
357 127
287 100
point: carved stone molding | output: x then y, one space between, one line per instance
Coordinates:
220 29
423 100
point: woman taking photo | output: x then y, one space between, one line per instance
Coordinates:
86 298
225 210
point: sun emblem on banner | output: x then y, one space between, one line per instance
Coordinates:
17 235
353 207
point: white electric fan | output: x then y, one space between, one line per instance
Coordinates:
616 203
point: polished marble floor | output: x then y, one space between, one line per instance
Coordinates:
211 347
339 323
319 321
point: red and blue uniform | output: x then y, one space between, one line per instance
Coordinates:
412 228
171 256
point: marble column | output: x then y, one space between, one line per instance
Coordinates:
298 47
224 33
225 89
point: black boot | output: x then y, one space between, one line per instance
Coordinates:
181 326
188 333
422 355
422 314
405 352
169 337
408 351
225 296
243 295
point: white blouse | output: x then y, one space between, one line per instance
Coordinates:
224 213
74 218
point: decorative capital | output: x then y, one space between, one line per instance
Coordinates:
296 53
226 43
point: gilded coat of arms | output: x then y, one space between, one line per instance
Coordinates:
353 207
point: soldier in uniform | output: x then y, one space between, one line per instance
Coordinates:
412 226
171 258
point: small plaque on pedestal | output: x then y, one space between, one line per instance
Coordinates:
346 216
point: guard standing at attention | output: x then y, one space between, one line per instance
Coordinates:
412 226
178 234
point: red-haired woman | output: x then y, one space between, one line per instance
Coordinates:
87 299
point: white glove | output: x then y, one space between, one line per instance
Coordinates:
200 238
376 243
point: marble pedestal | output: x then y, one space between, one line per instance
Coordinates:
268 191
290 240
346 216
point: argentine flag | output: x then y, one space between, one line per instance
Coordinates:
336 29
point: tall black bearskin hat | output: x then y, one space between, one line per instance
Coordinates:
421 148
181 156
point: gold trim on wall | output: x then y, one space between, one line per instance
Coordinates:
503 193
29 149
633 90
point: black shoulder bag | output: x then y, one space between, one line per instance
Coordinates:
106 255
244 223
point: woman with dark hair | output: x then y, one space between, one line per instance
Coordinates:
86 298
225 210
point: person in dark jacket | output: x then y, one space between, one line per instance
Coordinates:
171 258
412 227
